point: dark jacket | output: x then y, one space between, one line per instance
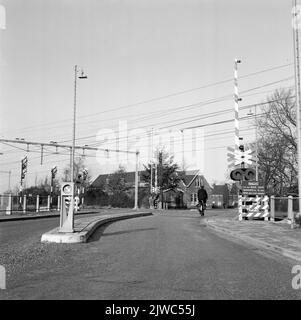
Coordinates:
202 195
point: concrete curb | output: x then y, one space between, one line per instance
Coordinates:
45 216
83 235
257 243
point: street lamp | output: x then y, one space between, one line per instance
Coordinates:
81 76
256 139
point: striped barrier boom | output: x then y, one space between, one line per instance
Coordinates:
258 209
236 110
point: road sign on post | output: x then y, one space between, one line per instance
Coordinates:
252 188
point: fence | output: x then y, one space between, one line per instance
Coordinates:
284 207
10 204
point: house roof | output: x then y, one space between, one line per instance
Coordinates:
191 176
188 178
177 189
128 176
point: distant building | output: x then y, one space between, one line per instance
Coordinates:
184 196
190 185
103 180
224 196
220 196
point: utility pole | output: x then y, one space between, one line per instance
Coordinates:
161 176
136 181
296 26
156 176
151 171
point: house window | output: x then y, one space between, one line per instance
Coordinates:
198 182
193 197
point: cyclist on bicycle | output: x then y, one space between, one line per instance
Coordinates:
202 198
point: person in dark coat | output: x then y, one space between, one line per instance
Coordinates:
202 198
202 194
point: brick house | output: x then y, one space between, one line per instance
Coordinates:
191 183
184 196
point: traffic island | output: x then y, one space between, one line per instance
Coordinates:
84 227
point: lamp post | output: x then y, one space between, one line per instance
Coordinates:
256 139
82 76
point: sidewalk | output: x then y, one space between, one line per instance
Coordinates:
18 216
275 236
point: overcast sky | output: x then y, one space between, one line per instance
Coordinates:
135 51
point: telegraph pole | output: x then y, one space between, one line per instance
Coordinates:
136 181
161 176
151 171
296 26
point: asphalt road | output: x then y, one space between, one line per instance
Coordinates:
165 256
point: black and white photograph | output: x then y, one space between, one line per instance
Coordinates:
150 153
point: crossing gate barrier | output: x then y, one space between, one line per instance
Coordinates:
253 207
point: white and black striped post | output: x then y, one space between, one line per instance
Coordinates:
236 124
236 100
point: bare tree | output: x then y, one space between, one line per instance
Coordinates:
277 143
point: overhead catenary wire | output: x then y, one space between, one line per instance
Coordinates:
192 119
164 96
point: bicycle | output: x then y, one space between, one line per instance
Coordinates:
201 207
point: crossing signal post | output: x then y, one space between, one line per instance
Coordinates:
85 176
24 162
80 187
67 207
53 174
247 182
